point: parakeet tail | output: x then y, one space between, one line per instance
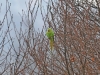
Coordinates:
51 44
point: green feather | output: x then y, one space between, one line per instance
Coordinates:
50 35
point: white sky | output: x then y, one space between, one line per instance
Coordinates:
16 8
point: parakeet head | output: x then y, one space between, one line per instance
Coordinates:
49 29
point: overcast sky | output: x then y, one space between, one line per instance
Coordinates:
16 8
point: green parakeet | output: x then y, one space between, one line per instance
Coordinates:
50 35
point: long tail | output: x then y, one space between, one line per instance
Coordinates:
51 44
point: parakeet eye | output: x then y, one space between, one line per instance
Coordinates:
48 30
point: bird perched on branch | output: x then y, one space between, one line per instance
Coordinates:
50 35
